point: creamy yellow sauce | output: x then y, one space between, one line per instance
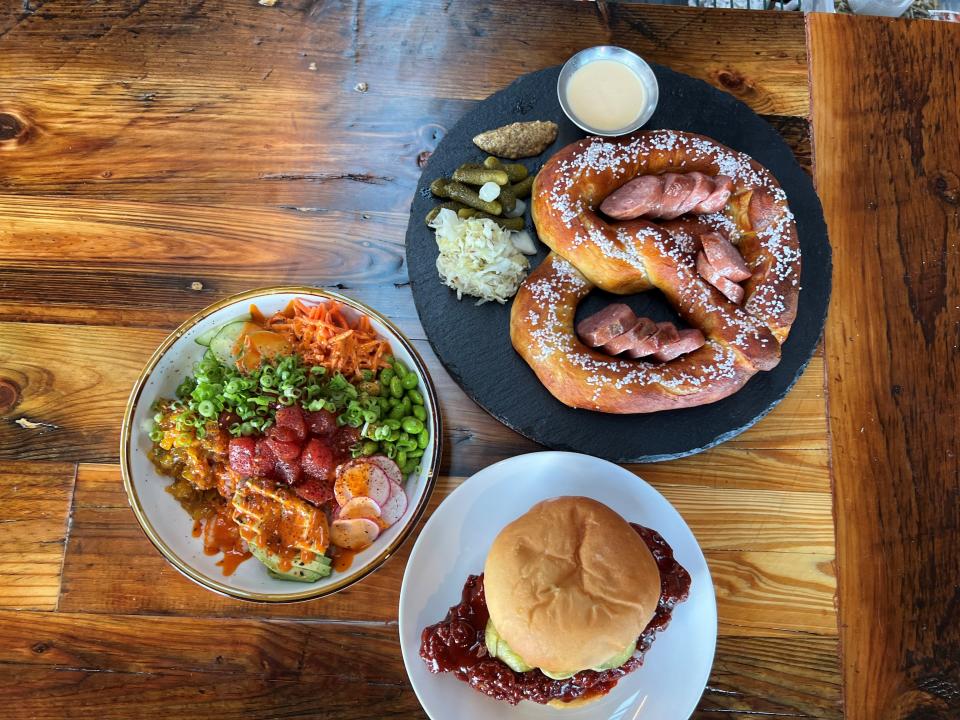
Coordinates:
606 95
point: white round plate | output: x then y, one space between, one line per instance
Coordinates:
454 544
169 527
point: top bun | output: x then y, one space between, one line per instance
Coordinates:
570 584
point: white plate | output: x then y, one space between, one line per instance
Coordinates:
169 527
454 544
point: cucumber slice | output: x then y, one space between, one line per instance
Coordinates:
300 572
206 338
224 341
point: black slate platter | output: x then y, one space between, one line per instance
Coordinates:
473 342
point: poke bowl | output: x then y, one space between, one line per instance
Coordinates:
281 444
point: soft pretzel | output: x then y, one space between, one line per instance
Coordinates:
633 256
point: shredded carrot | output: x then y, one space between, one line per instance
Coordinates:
322 335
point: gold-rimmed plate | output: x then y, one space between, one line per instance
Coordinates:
169 527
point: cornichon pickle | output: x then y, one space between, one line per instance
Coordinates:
439 187
468 196
478 175
451 205
522 189
515 171
516 223
507 199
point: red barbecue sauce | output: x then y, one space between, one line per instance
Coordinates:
456 644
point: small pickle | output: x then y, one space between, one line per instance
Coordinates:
515 171
439 187
522 189
507 199
450 205
473 174
468 196
515 224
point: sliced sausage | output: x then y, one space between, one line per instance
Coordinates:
724 257
666 333
732 291
645 346
717 200
638 197
643 328
676 190
689 340
602 327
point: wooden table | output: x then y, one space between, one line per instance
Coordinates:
156 156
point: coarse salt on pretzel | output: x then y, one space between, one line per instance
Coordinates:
632 256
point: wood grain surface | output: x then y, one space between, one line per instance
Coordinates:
891 200
156 156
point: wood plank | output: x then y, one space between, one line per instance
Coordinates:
136 263
890 199
794 675
42 694
34 512
758 590
727 466
123 99
782 590
237 646
74 382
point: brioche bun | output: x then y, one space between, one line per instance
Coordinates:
570 584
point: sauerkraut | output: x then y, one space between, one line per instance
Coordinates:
478 258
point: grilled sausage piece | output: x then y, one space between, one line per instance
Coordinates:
638 197
688 340
724 257
642 328
668 196
602 327
708 272
676 191
717 200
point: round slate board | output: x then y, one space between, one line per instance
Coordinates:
473 342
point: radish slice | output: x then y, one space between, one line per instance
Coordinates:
361 478
360 507
388 466
355 534
395 506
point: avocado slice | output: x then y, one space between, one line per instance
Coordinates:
618 660
498 648
310 572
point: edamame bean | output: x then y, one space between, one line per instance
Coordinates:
400 369
397 412
394 436
396 387
412 425
401 458
410 381
415 397
407 407
413 454
411 467
420 413
392 423
369 448
386 375
423 439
